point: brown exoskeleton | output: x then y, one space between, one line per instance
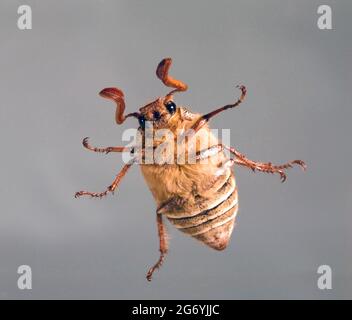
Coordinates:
200 199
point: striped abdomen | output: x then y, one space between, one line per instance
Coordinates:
213 224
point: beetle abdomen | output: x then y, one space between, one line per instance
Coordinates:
214 225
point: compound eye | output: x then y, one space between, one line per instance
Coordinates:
141 121
171 107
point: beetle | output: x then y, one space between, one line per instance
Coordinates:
199 198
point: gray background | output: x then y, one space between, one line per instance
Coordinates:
298 106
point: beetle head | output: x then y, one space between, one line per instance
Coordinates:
158 112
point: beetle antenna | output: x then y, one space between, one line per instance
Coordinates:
133 114
162 72
116 95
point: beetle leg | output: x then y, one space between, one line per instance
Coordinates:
267 167
163 246
240 159
203 120
112 187
105 150
209 152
